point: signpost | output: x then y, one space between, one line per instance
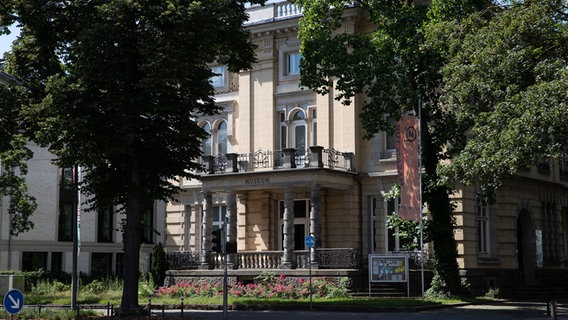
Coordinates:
310 242
13 301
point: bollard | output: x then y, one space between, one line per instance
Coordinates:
163 312
182 298
149 307
553 313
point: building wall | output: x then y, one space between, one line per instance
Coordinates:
43 181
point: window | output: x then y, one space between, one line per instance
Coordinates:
67 178
33 261
218 81
206 143
221 138
147 226
219 214
482 219
56 262
105 225
293 63
119 266
101 265
565 231
550 239
393 244
374 224
65 222
299 132
389 142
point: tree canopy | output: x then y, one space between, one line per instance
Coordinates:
13 157
114 86
507 78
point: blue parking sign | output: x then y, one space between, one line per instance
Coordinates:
14 301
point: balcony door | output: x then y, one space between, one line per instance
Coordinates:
301 223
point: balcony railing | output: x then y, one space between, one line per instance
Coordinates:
336 258
312 157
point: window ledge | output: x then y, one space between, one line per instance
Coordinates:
488 260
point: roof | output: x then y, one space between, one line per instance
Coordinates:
7 79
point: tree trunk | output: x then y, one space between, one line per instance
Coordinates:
132 239
442 219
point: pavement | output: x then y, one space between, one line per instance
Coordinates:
503 310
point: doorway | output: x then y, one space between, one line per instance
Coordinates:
526 247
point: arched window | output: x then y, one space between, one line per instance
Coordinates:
222 137
206 143
299 130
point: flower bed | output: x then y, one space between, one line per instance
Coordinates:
265 286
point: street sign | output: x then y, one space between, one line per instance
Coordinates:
14 301
310 241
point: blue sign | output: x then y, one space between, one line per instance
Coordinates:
310 241
14 301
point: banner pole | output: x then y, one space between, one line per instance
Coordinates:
420 194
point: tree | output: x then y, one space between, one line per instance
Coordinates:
396 72
13 157
114 87
159 264
508 78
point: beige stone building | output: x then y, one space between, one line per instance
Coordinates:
284 162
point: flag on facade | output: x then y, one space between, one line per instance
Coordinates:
407 153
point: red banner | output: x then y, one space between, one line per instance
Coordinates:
407 149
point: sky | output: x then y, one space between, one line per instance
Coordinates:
6 41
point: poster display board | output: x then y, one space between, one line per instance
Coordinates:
384 268
388 268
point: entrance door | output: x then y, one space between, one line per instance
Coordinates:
526 247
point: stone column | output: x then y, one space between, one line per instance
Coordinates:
231 227
315 224
206 228
288 244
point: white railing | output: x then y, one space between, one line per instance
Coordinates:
328 258
285 9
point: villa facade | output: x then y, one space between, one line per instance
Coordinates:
283 163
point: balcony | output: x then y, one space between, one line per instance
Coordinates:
261 160
272 12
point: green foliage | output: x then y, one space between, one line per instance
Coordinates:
146 286
506 78
266 276
94 287
47 314
45 286
493 293
159 263
13 160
